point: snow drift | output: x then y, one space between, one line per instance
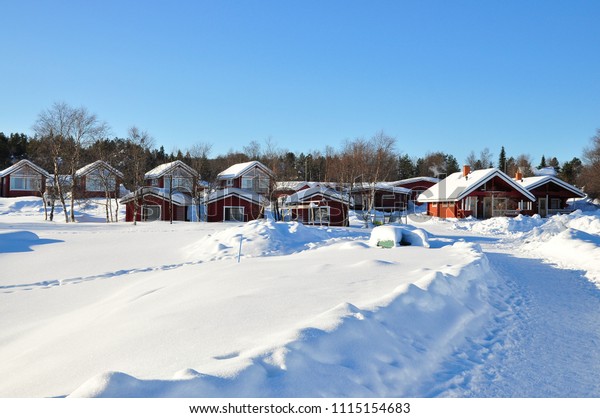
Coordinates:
388 351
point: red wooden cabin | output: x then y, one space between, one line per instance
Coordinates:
23 179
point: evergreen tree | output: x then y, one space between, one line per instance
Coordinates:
542 162
502 160
406 167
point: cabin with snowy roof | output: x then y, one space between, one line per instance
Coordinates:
98 179
416 185
252 176
381 197
481 193
175 175
158 204
551 193
23 178
317 206
167 196
242 193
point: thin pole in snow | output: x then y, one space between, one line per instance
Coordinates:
240 250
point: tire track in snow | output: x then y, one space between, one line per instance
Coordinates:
46 284
543 341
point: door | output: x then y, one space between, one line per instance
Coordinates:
542 207
487 207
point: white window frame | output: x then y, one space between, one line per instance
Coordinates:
247 180
29 182
145 209
100 182
319 209
243 213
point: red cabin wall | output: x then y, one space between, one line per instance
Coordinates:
7 192
81 182
179 212
338 212
215 209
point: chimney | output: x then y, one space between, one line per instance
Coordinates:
518 175
466 170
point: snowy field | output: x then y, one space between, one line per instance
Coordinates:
503 307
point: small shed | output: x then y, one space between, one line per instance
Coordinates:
157 204
233 204
317 206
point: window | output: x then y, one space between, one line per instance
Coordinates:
150 213
229 183
554 203
179 183
321 215
233 213
24 182
247 183
256 183
96 183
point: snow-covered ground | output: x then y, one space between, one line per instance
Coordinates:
503 307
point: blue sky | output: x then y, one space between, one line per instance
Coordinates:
450 76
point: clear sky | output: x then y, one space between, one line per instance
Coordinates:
451 76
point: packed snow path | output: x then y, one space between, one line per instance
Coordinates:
545 339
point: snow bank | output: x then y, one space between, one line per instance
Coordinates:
266 238
570 241
389 351
21 241
500 225
399 236
32 208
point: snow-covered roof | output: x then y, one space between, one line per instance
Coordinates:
240 169
179 199
64 179
96 165
456 186
294 185
233 191
21 164
306 194
166 168
414 180
386 187
534 182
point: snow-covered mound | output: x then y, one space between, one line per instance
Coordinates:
363 353
266 238
571 241
500 225
399 236
32 209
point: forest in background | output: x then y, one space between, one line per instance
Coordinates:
68 138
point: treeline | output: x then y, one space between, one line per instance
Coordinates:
357 160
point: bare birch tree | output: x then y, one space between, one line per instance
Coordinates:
67 130
140 143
